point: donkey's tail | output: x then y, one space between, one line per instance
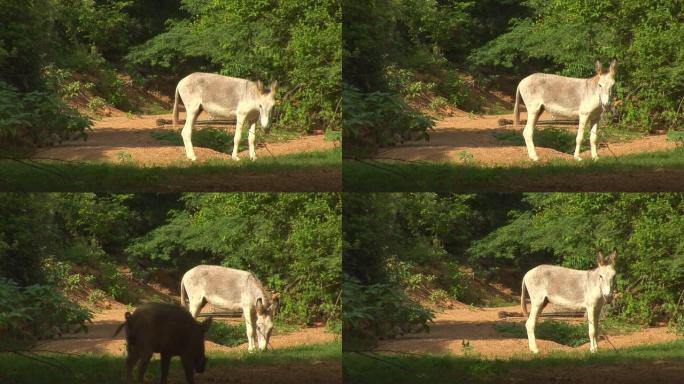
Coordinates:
184 295
516 109
175 109
522 300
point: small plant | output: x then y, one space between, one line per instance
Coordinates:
95 104
572 335
124 157
466 157
96 296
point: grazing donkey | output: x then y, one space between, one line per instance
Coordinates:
224 96
566 96
569 288
232 289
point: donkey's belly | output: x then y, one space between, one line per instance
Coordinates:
562 110
224 301
218 109
566 303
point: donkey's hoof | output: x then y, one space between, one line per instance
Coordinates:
578 158
234 157
253 158
535 351
595 158
534 158
192 158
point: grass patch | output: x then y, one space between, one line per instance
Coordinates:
231 335
211 175
663 167
105 369
561 332
439 368
207 137
550 137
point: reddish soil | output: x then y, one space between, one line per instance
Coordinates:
455 137
475 327
99 337
120 137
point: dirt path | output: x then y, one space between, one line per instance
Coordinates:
120 137
99 337
455 138
475 327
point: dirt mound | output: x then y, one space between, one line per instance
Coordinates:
100 336
466 330
467 137
129 139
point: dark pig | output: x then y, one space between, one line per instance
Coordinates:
166 329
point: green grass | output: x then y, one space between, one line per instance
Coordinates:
231 335
557 138
560 174
441 368
105 369
207 137
561 332
127 176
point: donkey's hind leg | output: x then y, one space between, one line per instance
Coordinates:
580 136
195 305
533 112
536 306
191 113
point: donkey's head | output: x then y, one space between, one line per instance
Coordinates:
605 83
265 320
606 272
266 101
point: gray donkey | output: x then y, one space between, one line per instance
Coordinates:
565 96
569 288
232 289
224 96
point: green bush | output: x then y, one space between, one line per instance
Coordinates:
37 312
37 118
379 119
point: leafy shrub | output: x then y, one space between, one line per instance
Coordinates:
379 119
379 310
37 118
37 312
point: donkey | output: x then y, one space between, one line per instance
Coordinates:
232 289
569 288
224 96
565 96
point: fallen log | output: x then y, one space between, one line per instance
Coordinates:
221 314
505 314
504 122
162 122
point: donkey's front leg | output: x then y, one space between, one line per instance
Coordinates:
592 319
252 136
238 135
580 136
592 140
250 328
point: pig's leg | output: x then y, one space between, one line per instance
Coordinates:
188 368
165 363
145 357
248 312
131 360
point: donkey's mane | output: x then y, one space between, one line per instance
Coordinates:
267 293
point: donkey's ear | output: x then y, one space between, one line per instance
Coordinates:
613 66
598 67
259 306
260 86
274 86
600 259
611 257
